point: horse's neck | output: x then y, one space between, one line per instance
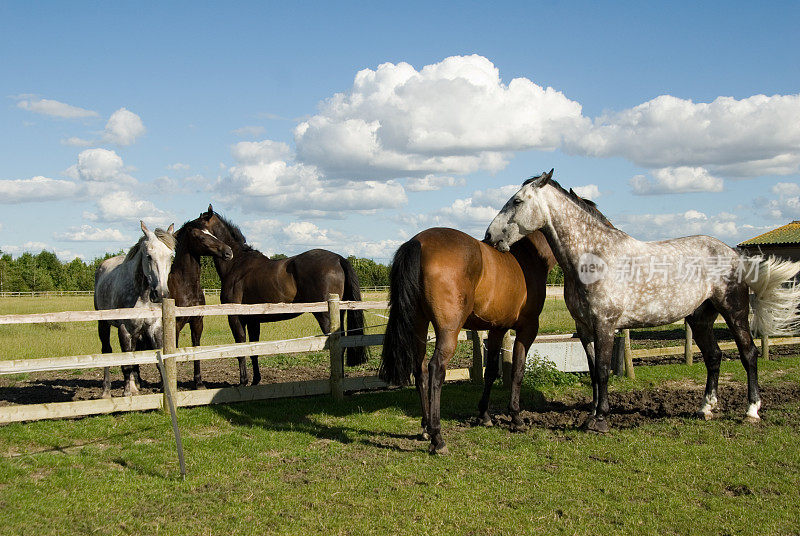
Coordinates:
572 231
186 265
132 279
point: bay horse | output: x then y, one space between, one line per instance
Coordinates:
252 277
136 279
446 277
613 281
191 243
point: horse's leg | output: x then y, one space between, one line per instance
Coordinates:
735 310
420 372
495 340
522 343
603 346
237 329
126 344
702 323
104 332
196 327
254 332
446 341
587 340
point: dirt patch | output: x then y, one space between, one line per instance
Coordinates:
634 408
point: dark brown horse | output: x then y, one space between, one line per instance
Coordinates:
448 278
251 277
191 243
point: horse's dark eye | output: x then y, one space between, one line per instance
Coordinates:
517 201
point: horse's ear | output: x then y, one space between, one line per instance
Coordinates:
171 228
545 178
145 230
207 215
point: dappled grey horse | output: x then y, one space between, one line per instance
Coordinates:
613 281
137 279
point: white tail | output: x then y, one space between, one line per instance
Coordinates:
776 308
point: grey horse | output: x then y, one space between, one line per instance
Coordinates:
137 279
613 281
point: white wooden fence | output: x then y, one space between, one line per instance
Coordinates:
335 343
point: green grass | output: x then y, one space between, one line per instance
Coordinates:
313 466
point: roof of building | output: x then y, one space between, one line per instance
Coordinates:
788 234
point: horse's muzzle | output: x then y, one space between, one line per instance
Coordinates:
158 297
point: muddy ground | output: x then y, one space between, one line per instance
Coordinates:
65 386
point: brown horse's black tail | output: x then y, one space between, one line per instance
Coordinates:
399 344
356 355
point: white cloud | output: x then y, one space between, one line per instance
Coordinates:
123 127
250 131
786 188
455 116
674 180
33 247
590 191
100 166
723 225
752 136
787 204
54 108
471 215
430 183
87 233
264 180
36 189
273 236
76 142
124 206
178 166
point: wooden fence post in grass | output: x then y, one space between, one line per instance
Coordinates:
334 344
688 356
169 345
765 346
629 356
477 356
507 354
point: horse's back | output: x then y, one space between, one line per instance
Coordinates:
467 279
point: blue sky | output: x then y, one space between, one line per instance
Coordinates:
352 126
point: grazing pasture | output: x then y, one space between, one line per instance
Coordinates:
356 467
314 466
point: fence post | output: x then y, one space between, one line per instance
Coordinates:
765 346
169 345
628 356
334 344
507 353
688 355
477 356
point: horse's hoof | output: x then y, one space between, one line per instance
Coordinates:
485 420
440 451
751 419
199 385
519 428
106 394
599 426
424 436
256 381
705 415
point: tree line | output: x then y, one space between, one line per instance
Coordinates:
44 272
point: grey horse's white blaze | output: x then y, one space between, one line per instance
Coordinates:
613 281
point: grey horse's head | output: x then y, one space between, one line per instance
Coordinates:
523 214
157 252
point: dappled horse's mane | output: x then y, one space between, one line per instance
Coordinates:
161 234
236 233
586 204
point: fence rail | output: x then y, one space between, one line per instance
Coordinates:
335 343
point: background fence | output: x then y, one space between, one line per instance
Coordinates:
335 343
